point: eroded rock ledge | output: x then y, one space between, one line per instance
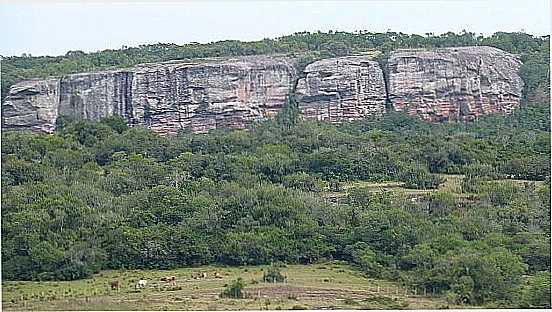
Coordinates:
440 84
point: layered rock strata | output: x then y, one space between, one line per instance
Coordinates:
441 84
165 97
453 83
342 89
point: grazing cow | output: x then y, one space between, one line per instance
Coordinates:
198 275
169 279
115 285
217 275
141 283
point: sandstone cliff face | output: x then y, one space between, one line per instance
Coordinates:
453 83
342 89
230 93
95 95
32 105
165 97
440 84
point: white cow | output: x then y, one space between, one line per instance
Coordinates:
141 283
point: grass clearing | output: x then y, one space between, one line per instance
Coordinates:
318 286
452 184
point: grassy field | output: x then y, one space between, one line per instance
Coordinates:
319 286
452 183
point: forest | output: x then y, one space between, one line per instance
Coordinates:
102 195
97 196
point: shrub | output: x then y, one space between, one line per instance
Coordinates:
273 275
234 290
536 292
420 178
303 181
298 307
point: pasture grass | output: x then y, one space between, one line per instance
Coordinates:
452 184
318 286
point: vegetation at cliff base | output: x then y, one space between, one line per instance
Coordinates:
459 209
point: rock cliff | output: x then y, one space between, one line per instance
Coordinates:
341 89
441 84
32 105
453 83
164 97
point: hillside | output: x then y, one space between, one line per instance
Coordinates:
326 285
350 179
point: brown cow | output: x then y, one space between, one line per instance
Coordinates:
198 275
115 285
169 279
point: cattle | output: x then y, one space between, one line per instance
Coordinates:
217 275
115 285
169 279
141 283
199 275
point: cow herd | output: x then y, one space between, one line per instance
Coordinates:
169 280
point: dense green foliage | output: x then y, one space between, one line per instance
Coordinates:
100 195
533 51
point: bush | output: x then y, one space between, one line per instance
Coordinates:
481 170
298 307
273 275
234 290
536 292
420 178
364 257
303 181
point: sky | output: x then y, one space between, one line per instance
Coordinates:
57 27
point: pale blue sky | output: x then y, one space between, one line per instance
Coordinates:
55 28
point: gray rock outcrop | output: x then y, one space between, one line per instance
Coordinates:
165 97
32 105
342 89
436 85
453 83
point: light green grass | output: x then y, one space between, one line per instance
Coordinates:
329 285
452 184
